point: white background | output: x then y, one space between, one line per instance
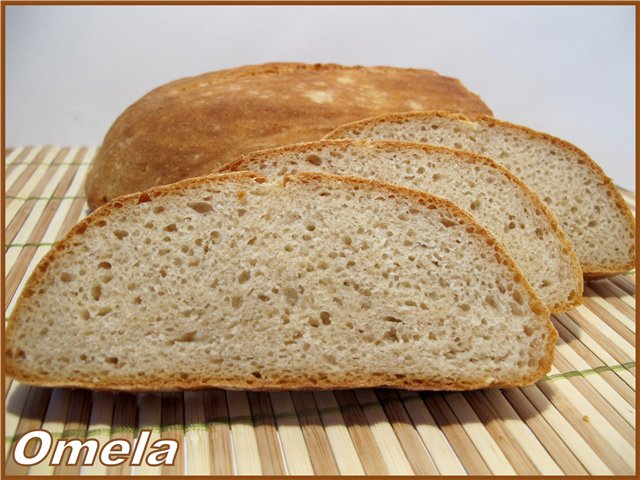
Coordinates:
569 71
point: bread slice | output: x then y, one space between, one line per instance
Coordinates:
194 125
585 201
318 281
499 201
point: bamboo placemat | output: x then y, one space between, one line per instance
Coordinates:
580 419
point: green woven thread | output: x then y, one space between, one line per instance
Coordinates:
22 245
590 371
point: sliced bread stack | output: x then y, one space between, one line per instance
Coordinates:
496 198
584 200
312 281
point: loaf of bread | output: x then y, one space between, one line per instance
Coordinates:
191 126
585 201
316 281
498 201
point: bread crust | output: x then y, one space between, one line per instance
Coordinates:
190 126
246 162
589 271
176 382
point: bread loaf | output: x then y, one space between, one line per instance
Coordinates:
498 201
317 281
191 126
585 201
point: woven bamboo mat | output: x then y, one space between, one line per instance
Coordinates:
580 419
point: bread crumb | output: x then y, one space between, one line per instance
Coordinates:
557 171
257 313
546 259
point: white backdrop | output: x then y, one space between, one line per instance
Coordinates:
569 71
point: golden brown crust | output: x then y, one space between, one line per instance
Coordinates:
589 271
246 162
603 273
191 126
180 383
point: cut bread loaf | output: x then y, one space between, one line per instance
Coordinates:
498 201
317 281
194 125
588 206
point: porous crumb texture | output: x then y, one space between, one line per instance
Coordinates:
317 282
585 201
498 201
